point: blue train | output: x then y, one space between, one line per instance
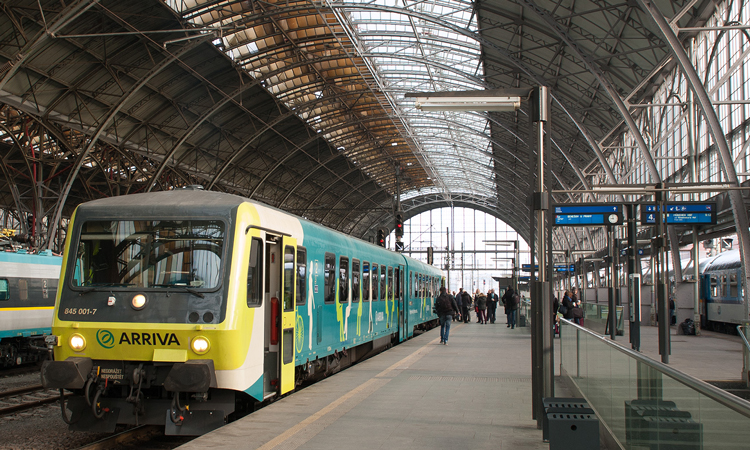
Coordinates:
28 285
721 292
185 308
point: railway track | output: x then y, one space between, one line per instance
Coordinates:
28 397
142 437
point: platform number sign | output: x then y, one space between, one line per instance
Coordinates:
687 213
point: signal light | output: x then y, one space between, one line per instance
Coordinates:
381 238
399 225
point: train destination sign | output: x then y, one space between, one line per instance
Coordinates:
681 214
588 215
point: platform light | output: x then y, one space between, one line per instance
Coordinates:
499 100
496 104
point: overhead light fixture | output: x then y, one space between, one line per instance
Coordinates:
496 104
499 100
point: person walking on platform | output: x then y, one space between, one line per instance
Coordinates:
508 300
446 309
491 305
459 303
481 301
466 303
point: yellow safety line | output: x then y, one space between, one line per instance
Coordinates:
275 442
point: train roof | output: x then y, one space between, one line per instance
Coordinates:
724 261
174 201
179 200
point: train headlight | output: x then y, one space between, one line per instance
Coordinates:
77 342
200 345
138 302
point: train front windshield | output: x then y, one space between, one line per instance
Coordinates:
150 254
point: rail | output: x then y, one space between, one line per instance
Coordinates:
616 381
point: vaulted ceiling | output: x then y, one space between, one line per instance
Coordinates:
300 104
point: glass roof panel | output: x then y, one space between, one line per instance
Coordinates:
344 67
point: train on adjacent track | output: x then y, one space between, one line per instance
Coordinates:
721 292
28 285
186 308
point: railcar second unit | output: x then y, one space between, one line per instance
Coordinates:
183 308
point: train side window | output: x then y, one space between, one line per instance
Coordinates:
390 283
365 281
355 280
301 275
397 280
289 278
733 285
343 279
382 282
328 272
714 286
375 284
255 274
722 286
4 289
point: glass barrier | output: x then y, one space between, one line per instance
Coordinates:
647 404
595 318
524 313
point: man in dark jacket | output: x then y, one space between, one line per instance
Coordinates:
510 308
446 309
491 305
465 304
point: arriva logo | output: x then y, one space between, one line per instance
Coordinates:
105 338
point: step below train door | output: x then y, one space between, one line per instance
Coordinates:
288 315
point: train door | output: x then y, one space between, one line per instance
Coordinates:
280 277
398 276
288 278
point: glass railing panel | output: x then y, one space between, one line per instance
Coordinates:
649 405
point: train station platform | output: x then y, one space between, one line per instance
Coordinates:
473 393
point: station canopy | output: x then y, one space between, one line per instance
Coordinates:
301 104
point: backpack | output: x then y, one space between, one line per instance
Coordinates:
443 305
516 299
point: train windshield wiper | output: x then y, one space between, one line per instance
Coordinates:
102 286
179 288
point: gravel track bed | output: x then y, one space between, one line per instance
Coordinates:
41 428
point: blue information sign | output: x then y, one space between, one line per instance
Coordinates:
588 215
527 267
681 214
565 268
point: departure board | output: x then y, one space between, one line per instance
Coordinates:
588 215
686 213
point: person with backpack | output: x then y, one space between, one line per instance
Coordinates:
481 301
446 308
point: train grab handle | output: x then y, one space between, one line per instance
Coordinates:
274 321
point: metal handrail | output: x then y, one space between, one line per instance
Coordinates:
742 335
731 401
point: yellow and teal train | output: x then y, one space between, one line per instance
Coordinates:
187 307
